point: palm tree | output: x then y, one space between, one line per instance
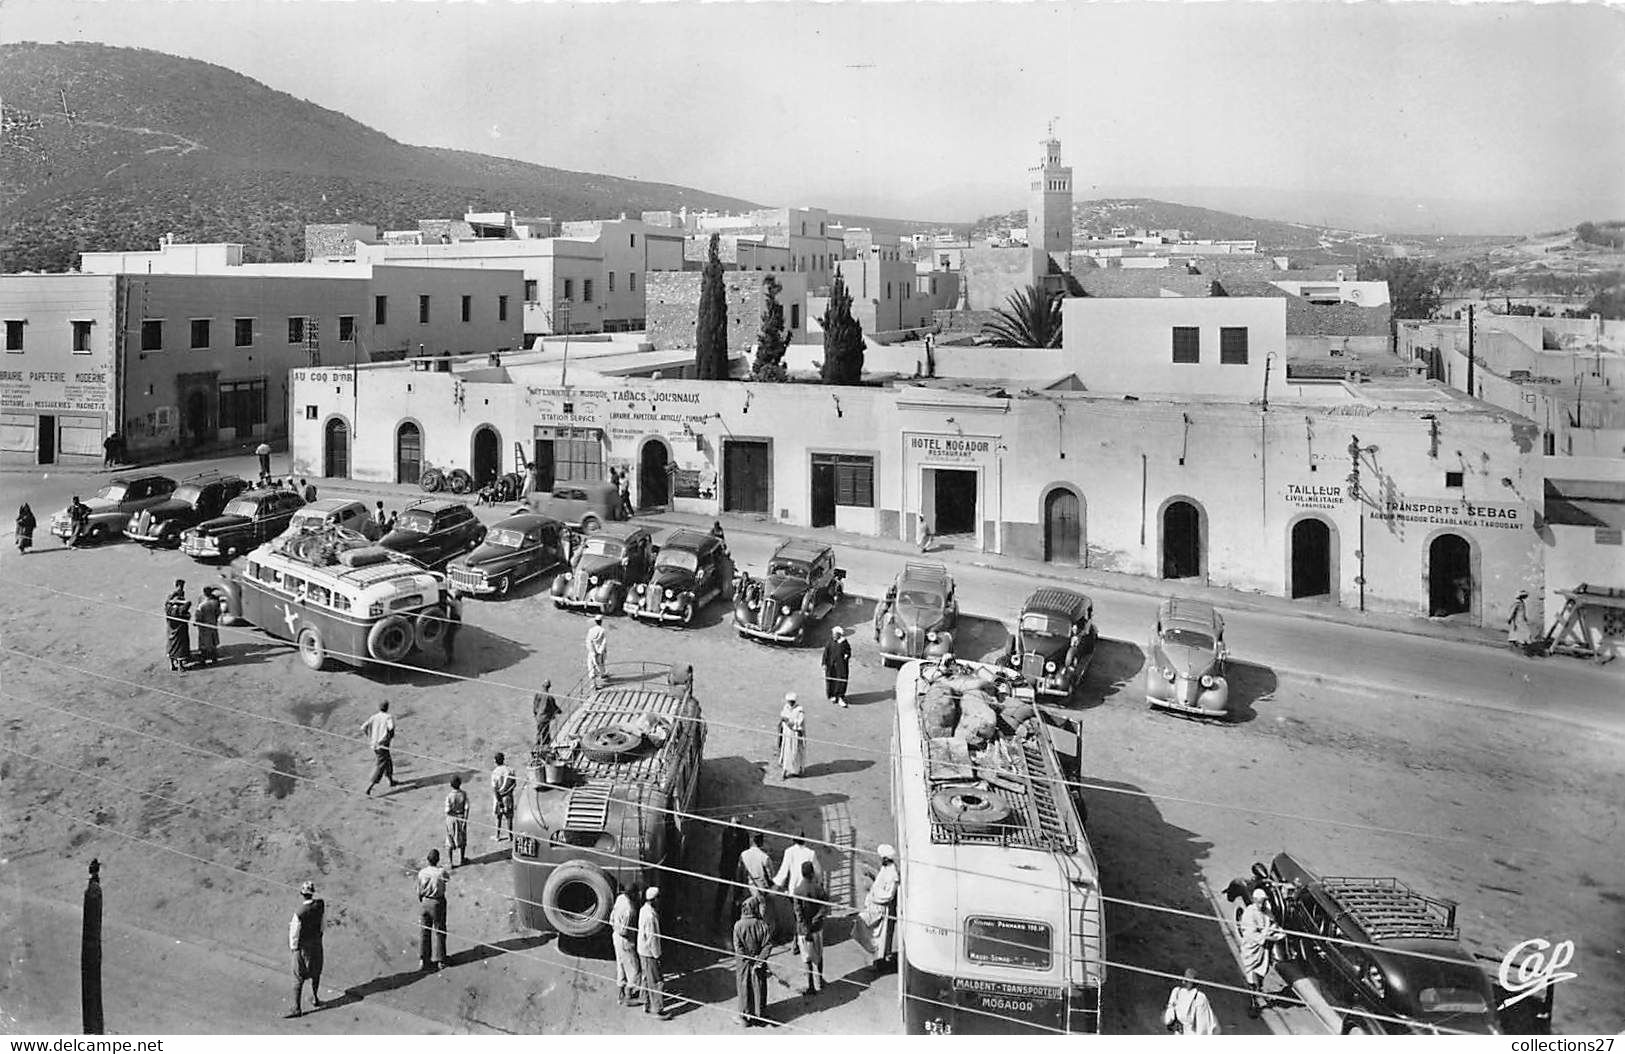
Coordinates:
1031 318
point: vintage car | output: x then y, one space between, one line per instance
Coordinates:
603 568
802 586
434 530
514 550
1185 669
692 568
250 519
1391 961
113 505
325 513
335 596
585 505
917 618
195 500
1054 641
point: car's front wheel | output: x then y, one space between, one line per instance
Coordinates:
98 534
504 584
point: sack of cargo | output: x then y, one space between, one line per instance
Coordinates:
1012 717
978 722
940 710
969 682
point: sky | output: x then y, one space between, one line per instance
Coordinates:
928 110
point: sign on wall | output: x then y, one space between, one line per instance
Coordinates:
1456 512
78 391
1314 495
950 449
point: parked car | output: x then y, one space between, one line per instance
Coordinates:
691 569
195 500
918 615
603 568
1054 640
514 550
585 505
802 586
249 520
1390 956
113 505
324 513
434 530
1185 671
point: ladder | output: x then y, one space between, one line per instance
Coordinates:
587 808
1087 946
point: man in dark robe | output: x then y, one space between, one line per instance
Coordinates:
178 614
753 941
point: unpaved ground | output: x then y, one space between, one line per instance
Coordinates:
1516 818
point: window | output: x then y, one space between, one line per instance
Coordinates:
795 316
1232 345
632 241
468 307
380 310
423 309
310 411
81 337
242 332
296 329
612 281
530 290
1453 479
346 327
632 281
888 290
586 290
200 333
578 453
569 289
502 308
242 405
152 334
14 334
1187 344
854 478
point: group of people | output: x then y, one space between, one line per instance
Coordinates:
179 618
622 478
638 941
304 487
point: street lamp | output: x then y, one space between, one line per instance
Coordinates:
563 315
1356 451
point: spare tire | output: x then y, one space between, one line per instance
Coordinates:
611 743
970 806
577 897
430 627
390 639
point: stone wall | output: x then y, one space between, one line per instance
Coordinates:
992 274
673 299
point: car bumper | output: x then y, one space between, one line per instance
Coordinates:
151 537
473 587
756 633
201 550
584 604
1178 698
663 613
1054 687
890 653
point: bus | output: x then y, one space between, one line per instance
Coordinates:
1001 926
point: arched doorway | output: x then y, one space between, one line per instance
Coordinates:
1311 558
1450 575
487 460
408 452
1063 527
336 449
654 484
1181 540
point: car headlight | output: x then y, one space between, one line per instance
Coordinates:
784 609
932 636
670 593
1169 674
1049 667
899 631
753 604
592 580
640 588
1207 680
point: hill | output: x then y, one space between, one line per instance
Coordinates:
110 148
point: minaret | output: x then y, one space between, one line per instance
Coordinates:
1049 200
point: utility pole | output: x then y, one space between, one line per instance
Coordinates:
90 954
564 370
1471 334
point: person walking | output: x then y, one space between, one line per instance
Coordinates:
837 666
503 785
309 489
1260 935
110 450
623 936
178 613
380 732
624 488
263 452
733 845
876 926
790 866
1188 1012
811 906
1518 622
24 536
207 617
923 536
305 941
597 652
649 950
456 823
753 943
432 882
545 709
792 737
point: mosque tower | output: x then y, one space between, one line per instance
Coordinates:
1049 204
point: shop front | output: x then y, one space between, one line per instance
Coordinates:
951 481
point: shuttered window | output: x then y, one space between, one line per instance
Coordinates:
1187 344
854 478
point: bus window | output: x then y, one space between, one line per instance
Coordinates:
1008 942
341 602
320 595
292 584
266 573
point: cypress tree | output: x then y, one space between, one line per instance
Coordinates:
711 329
771 339
843 337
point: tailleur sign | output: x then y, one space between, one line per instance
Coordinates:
1314 495
1456 512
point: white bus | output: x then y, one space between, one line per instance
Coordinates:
999 908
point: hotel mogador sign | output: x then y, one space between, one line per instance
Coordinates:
950 449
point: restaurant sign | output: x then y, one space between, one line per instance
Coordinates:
938 449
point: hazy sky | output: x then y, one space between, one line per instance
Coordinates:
933 110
